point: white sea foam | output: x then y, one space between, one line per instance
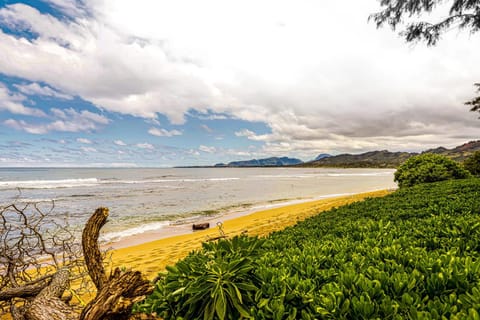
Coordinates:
155 195
192 180
332 174
90 182
166 180
364 174
35 200
286 176
117 235
49 184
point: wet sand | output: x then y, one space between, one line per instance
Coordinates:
152 256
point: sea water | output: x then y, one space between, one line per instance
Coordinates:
146 199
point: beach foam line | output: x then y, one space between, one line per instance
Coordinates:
328 174
117 235
153 256
91 182
49 184
159 230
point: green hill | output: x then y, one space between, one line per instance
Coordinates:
387 159
267 162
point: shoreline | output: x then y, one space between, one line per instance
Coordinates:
151 252
184 226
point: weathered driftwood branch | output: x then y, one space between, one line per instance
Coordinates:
117 294
48 305
116 299
26 290
44 295
91 251
34 246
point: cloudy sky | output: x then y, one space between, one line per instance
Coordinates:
162 83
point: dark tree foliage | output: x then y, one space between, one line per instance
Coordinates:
475 102
472 163
463 14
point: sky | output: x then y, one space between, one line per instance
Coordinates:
187 82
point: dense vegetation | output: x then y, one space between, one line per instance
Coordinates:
372 159
414 254
428 167
472 163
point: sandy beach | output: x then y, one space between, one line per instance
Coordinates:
153 256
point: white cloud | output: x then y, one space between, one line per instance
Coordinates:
70 7
145 145
36 89
245 133
206 128
160 132
83 117
207 149
22 125
193 152
13 103
84 141
88 149
119 143
317 81
212 117
67 120
239 153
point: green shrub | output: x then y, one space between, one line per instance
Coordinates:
217 282
428 167
472 163
414 254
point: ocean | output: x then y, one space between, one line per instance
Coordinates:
149 199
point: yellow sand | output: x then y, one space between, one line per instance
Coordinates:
152 257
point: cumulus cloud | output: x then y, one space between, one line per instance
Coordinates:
13 103
69 7
207 149
193 152
119 143
83 116
245 133
84 141
160 132
37 89
317 81
88 149
206 128
68 120
145 145
22 125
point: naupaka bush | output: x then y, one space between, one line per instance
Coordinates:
414 254
428 167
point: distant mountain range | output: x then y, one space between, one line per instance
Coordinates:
387 159
377 159
372 159
322 156
268 162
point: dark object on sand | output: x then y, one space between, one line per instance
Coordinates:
200 226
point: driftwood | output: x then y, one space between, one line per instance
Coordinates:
47 305
200 226
45 295
117 293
